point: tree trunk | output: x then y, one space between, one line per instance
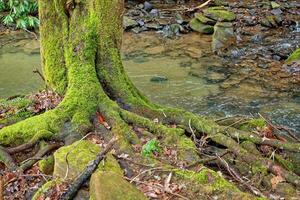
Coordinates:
80 49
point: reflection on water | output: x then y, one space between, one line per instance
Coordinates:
16 73
197 81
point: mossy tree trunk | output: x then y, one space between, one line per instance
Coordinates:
80 49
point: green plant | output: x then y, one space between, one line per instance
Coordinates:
20 13
150 147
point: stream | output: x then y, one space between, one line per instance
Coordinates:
197 80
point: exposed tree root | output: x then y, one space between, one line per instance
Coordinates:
7 159
43 151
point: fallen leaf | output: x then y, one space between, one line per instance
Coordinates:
275 180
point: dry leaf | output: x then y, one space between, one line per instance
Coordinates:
275 180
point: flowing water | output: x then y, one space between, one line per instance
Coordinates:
197 80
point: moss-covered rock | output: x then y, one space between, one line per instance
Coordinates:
47 165
271 21
205 20
223 36
219 13
107 181
108 185
295 56
198 26
252 124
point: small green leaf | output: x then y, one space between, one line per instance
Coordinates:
150 147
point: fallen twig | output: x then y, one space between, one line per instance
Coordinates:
75 186
237 177
36 71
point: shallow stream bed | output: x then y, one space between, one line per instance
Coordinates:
196 79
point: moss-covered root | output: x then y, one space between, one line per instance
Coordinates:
210 183
186 148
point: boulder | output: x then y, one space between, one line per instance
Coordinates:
129 23
223 36
219 14
198 26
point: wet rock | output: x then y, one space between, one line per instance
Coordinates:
204 20
186 64
219 14
223 36
275 5
257 38
153 25
194 52
172 30
154 50
159 78
154 13
277 11
178 18
271 21
147 6
214 77
129 23
220 3
196 25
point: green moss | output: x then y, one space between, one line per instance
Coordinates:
212 183
295 56
198 26
52 33
257 168
46 165
204 19
252 124
219 13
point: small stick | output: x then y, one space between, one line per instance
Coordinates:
36 71
32 33
235 175
75 186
